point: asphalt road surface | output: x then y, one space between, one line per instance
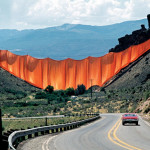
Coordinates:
106 133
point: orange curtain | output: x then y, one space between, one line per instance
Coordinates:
70 73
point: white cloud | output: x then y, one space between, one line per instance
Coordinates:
43 13
120 13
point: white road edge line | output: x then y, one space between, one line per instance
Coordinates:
43 148
47 141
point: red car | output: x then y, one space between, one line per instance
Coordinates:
130 118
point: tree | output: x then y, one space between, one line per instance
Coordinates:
49 89
70 91
103 89
80 89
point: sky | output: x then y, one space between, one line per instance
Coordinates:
34 14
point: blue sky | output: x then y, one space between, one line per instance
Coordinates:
33 14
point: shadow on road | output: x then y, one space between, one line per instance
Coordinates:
131 125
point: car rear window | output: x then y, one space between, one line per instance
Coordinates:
130 115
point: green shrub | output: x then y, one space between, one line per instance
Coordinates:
146 95
59 99
70 91
20 104
147 110
108 96
59 92
103 90
51 97
32 103
40 95
11 97
14 92
56 109
49 89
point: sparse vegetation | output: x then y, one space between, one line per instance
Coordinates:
43 102
147 110
31 123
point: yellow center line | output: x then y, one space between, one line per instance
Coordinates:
114 134
110 138
117 141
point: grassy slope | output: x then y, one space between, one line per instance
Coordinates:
13 90
11 87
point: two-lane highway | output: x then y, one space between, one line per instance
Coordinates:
104 134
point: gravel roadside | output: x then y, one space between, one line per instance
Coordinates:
34 143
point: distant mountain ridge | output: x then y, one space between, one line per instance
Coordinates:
69 40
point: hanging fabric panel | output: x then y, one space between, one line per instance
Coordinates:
69 72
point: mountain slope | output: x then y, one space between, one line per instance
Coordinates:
12 87
68 40
136 74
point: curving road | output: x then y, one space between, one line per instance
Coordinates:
104 134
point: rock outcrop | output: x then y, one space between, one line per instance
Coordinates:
137 37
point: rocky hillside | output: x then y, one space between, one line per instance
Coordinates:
136 74
144 108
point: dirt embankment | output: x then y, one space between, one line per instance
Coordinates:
144 108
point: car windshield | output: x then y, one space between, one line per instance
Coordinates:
130 115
